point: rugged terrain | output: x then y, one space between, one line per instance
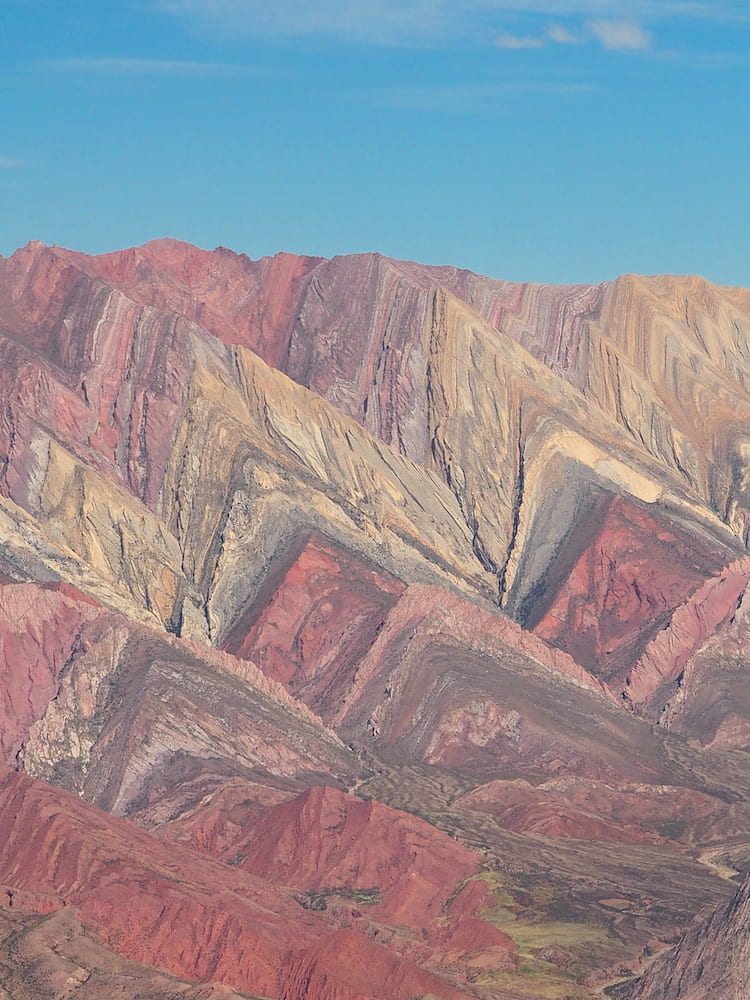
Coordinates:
369 630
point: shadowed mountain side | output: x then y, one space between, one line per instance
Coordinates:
536 468
317 614
406 609
666 357
711 962
332 661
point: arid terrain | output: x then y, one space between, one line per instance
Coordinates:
371 631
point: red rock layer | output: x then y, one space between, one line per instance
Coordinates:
348 967
124 713
325 839
102 373
690 626
388 873
595 811
239 301
449 683
312 630
147 899
628 571
299 315
166 906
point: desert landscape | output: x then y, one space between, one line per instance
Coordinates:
371 631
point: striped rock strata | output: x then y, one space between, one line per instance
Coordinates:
278 537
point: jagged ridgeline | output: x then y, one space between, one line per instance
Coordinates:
370 630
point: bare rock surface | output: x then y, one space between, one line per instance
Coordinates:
369 630
712 960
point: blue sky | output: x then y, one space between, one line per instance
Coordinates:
540 140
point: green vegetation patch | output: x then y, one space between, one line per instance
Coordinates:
317 899
535 982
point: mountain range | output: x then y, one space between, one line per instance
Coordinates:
370 631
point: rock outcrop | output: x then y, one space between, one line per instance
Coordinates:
711 961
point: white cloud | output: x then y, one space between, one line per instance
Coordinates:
620 34
562 36
140 67
516 42
10 162
556 34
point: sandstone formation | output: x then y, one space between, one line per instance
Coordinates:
368 630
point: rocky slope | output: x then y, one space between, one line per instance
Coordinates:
712 960
387 622
54 957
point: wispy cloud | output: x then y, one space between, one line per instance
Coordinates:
108 66
10 163
428 22
557 33
620 34
612 34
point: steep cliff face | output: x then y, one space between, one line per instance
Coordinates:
711 961
405 609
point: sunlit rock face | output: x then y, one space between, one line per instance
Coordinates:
368 630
